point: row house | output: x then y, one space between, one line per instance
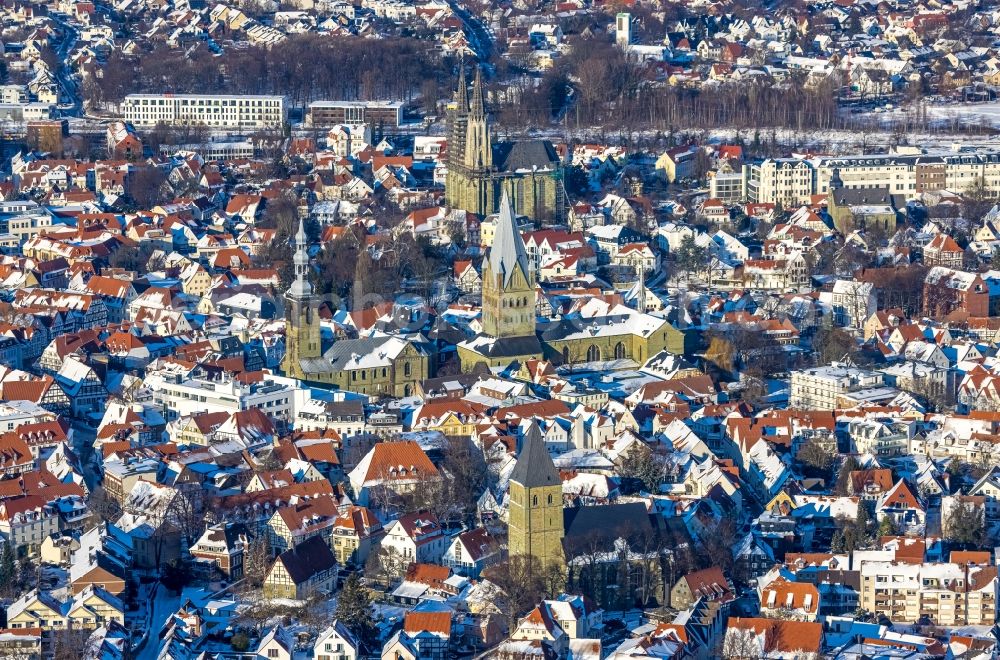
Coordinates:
90 609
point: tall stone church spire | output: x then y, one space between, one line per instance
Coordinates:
461 90
478 107
508 317
508 253
508 281
478 149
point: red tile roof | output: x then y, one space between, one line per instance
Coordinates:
433 622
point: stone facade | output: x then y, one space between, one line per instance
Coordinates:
535 526
379 366
480 171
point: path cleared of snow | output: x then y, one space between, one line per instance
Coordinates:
164 605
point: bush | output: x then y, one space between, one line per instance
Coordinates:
240 642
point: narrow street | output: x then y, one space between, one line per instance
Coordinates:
163 605
74 106
83 446
479 35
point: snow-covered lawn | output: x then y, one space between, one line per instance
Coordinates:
969 113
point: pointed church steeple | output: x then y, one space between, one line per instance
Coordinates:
302 332
508 252
508 281
534 468
478 107
478 146
461 90
536 504
637 294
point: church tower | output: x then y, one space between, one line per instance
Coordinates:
508 315
508 281
536 512
478 152
302 333
479 168
458 116
471 183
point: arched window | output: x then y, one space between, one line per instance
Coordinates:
406 369
550 499
619 351
593 353
565 354
534 500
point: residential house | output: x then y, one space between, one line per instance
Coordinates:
416 537
708 584
336 642
308 568
472 551
355 532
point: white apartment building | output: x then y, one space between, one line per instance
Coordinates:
776 274
13 94
820 387
949 594
728 186
26 225
897 173
213 111
178 395
789 181
881 437
794 180
345 416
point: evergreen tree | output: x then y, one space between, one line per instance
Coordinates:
837 542
844 476
690 256
887 528
354 610
964 526
863 518
7 568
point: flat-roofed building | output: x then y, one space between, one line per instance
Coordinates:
820 387
377 114
211 110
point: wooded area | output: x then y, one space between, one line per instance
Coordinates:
612 91
305 67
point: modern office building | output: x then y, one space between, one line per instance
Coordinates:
376 114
